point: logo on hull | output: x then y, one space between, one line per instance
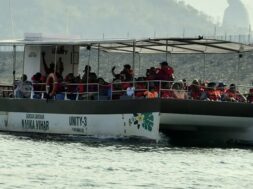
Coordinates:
144 120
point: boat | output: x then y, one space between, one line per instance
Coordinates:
181 120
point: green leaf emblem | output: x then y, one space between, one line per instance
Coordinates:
148 121
144 120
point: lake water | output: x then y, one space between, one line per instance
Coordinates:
58 162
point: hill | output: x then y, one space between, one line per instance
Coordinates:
93 18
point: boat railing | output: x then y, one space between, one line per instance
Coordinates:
97 91
89 91
6 90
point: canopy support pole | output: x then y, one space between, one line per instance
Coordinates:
73 62
134 45
240 55
88 73
14 66
204 76
55 65
139 64
98 71
55 59
23 71
98 60
166 50
171 58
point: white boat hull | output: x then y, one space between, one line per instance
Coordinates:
145 125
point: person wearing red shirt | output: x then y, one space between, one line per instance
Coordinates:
165 73
233 95
195 90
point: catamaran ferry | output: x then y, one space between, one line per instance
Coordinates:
51 98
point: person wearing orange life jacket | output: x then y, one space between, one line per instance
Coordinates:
151 93
233 95
195 91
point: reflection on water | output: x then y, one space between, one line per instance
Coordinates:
85 162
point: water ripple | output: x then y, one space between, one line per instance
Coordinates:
36 162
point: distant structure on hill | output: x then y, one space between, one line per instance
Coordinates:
236 17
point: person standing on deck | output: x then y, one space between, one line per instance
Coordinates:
47 69
59 66
126 74
165 73
50 69
88 75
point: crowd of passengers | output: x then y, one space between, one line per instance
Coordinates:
158 82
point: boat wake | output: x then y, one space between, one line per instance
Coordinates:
91 140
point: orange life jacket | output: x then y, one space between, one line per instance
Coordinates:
152 94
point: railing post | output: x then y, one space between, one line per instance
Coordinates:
42 95
32 94
98 91
204 77
134 49
77 95
88 74
166 51
160 88
14 67
98 60
111 91
65 96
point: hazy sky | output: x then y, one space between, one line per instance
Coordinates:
113 18
215 8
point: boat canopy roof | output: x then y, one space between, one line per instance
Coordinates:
149 45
